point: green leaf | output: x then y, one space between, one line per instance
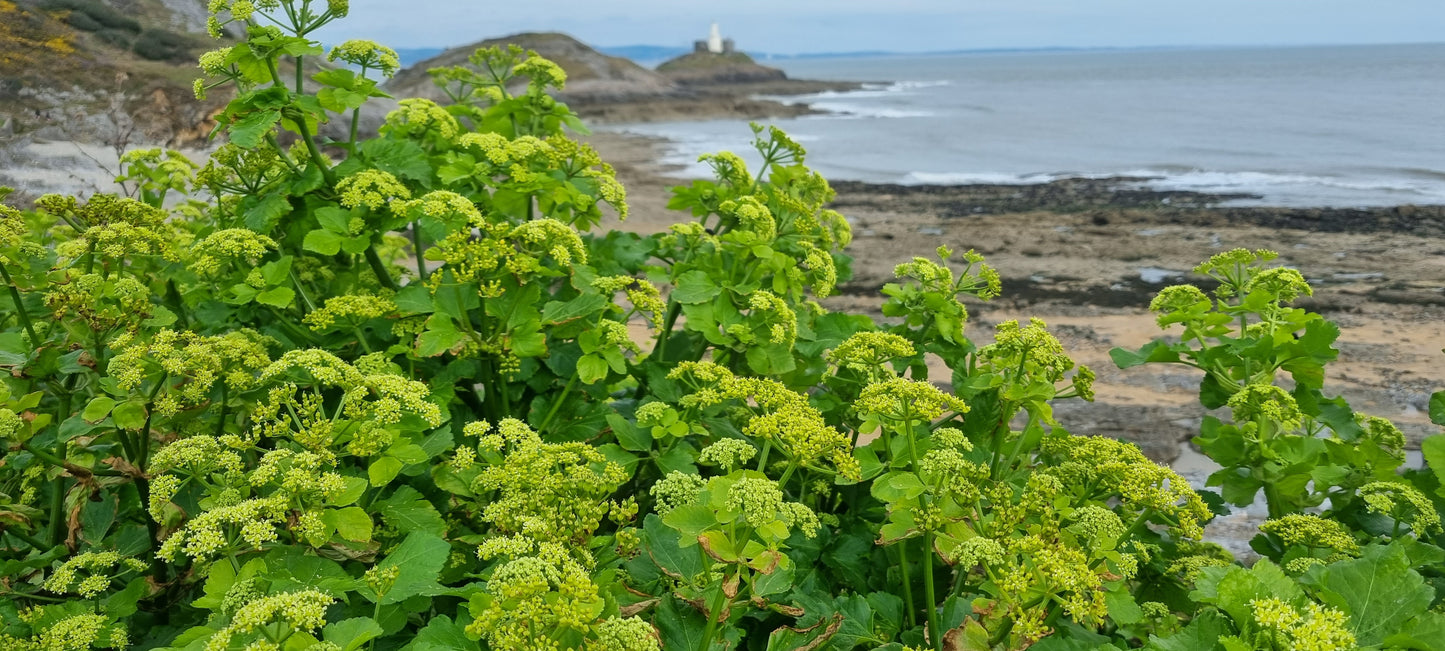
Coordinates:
351 634
863 624
352 523
355 488
420 559
263 215
1123 608
695 287
248 131
442 634
556 312
129 415
690 520
788 638
218 582
441 336
100 407
591 368
1433 448
629 436
681 627
1380 592
1155 351
322 241
296 568
1202 634
161 317
407 510
1437 407
663 545
414 299
123 604
334 219
897 486
356 245
383 470
277 297
276 272
1426 633
402 158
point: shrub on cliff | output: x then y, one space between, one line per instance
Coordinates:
403 393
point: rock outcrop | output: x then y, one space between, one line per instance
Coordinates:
707 68
604 88
592 77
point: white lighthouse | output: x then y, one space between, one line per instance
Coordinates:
714 43
714 40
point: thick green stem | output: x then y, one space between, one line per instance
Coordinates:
763 456
178 303
19 307
929 596
221 422
557 403
361 339
379 268
907 583
416 250
59 462
714 611
787 474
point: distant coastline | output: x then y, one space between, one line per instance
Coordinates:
651 55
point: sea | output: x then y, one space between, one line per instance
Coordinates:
1299 126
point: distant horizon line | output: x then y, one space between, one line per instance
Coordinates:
678 50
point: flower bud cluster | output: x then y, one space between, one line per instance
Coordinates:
416 116
1113 467
619 634
189 364
371 188
907 401
545 491
206 535
776 413
367 54
241 246
1313 531
1317 628
303 611
98 568
727 453
760 503
351 309
1404 503
541 587
1268 403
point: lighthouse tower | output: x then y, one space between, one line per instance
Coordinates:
714 40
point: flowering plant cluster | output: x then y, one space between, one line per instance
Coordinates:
401 392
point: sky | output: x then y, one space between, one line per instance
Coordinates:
802 26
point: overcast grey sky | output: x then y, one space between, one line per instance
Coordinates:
792 26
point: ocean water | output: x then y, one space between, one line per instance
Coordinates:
1315 126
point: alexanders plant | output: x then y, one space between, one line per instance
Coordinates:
394 392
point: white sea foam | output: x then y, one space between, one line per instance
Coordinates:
853 110
1281 188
